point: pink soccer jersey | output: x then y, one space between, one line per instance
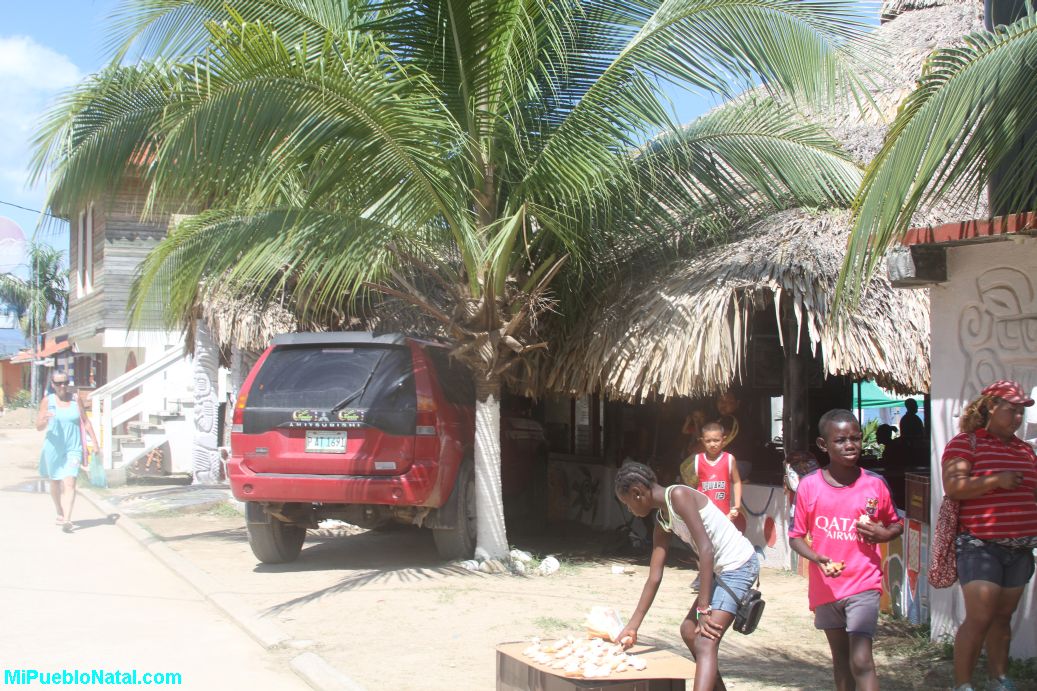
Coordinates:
829 514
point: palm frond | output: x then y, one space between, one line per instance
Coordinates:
973 105
100 131
323 259
177 29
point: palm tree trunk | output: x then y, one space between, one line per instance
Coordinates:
491 540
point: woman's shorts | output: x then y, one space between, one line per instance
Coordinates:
979 560
739 580
858 614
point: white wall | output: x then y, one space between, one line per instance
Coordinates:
984 328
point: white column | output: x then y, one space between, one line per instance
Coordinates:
204 454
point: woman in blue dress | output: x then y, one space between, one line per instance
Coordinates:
62 416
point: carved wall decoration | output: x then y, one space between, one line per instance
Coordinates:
997 331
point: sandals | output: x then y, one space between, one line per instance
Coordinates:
67 527
60 520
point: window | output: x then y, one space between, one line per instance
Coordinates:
455 379
321 377
89 265
80 252
85 252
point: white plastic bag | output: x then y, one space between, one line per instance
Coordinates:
604 622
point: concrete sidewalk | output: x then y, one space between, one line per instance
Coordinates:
96 599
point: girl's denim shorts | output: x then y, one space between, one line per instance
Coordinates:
739 580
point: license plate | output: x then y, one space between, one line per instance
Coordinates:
325 442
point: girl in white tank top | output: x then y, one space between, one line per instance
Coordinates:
691 516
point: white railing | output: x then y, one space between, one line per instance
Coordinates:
109 416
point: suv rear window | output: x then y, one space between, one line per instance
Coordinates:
322 376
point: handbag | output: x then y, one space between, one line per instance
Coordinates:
943 557
750 607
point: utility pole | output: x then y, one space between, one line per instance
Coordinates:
34 323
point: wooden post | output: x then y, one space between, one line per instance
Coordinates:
795 422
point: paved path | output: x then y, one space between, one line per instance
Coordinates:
96 599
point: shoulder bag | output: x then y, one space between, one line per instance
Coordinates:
943 557
750 607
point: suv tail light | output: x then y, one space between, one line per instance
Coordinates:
425 422
238 418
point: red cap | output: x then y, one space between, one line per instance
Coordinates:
1008 391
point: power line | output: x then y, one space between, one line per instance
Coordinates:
25 208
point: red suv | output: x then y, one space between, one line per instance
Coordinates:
369 430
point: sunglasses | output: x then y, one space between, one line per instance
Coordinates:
59 383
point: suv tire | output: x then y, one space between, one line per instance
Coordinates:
459 542
272 540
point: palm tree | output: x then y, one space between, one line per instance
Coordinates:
40 303
970 119
482 161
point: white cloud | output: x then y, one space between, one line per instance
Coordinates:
26 65
31 75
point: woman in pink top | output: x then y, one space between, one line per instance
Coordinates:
993 474
846 511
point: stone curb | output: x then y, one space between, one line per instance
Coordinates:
316 672
308 666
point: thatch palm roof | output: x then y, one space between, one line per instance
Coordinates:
245 322
685 330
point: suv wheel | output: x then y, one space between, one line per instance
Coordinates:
459 542
272 540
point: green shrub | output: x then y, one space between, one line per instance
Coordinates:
22 399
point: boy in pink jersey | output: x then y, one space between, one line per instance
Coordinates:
846 511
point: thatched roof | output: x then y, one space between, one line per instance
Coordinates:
686 332
244 322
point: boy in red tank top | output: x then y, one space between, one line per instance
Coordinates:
715 473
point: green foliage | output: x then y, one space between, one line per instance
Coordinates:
870 444
482 145
550 624
22 399
1023 670
41 302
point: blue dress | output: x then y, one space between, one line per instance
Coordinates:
63 444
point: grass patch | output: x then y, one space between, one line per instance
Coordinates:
225 510
220 509
1023 670
550 624
447 596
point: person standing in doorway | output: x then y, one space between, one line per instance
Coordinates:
911 426
715 472
62 416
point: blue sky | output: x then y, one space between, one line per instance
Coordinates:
45 47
